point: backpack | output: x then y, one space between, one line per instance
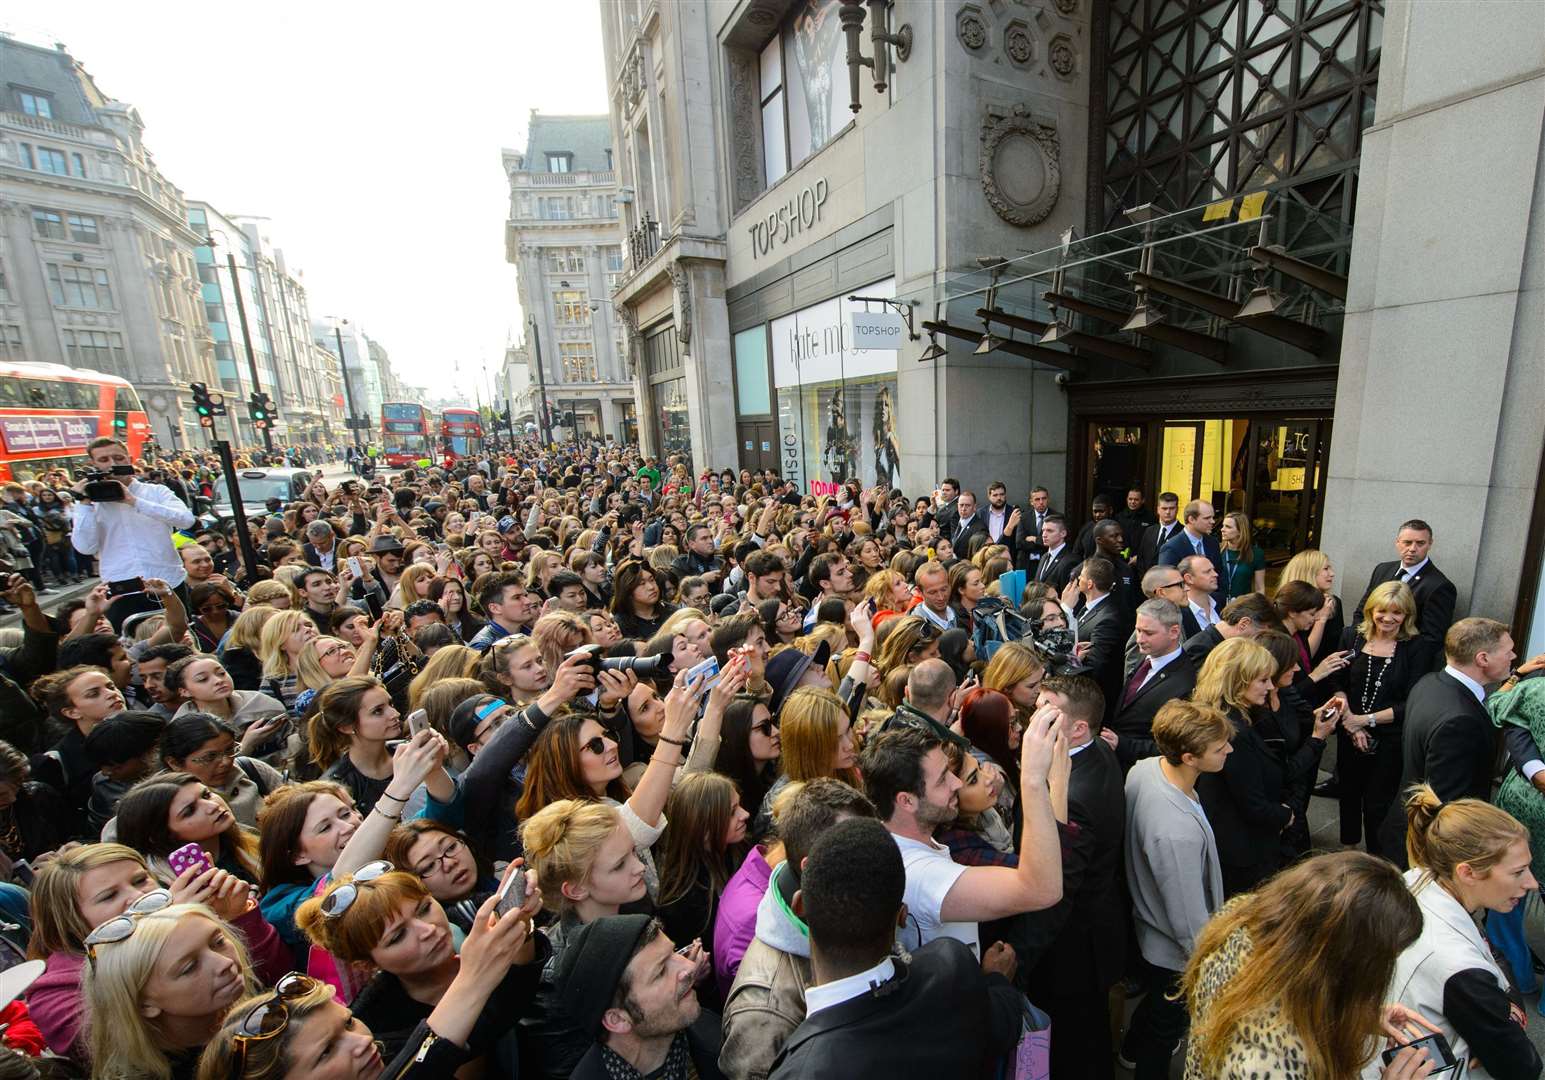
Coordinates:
994 621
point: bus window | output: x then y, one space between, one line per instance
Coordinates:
13 395
126 400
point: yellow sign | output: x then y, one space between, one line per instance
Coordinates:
1218 211
1250 206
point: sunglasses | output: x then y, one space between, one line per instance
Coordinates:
929 632
335 903
766 727
268 1018
596 746
121 927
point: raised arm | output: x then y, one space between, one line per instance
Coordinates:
648 799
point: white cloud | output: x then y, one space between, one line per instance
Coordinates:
368 133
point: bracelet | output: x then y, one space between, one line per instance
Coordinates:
389 817
674 742
861 658
394 798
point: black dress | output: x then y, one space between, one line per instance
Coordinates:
634 626
1370 779
1245 805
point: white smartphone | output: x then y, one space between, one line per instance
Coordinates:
418 720
708 668
354 566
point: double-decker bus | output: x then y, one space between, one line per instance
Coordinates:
461 434
49 412
406 435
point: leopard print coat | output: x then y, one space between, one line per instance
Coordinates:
1264 1046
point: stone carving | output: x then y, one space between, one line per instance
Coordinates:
683 285
1020 166
629 319
745 108
1067 7
1063 57
1018 43
971 29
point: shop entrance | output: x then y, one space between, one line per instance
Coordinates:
1271 468
758 444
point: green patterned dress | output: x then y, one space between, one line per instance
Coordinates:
1524 706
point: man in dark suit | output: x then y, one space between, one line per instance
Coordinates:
944 510
1248 616
1004 522
1165 673
865 1006
1056 561
1449 740
965 524
1087 954
1100 509
1194 539
1102 625
1136 518
1027 557
1156 536
1434 593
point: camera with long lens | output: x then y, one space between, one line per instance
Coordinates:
107 485
642 666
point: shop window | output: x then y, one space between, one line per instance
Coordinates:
671 415
802 87
752 397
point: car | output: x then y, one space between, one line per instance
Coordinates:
257 486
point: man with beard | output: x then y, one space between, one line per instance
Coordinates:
908 778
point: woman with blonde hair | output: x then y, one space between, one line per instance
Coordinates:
1244 563
1314 568
147 1019
1467 857
412 586
244 645
1245 800
87 885
1016 671
911 641
284 636
817 740
889 591
1290 980
276 594
325 660
557 634
544 564
450 662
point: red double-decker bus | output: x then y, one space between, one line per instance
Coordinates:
461 434
49 412
406 434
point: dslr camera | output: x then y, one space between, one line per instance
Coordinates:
1056 648
106 485
642 666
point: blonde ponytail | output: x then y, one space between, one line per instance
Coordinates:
1441 836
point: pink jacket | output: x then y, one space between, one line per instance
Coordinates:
58 1007
735 924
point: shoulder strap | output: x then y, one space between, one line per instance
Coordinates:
253 774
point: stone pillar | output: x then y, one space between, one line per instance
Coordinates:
1442 380
702 323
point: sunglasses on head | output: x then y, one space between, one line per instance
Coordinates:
929 632
335 903
121 927
268 1018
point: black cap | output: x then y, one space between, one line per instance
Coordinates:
464 720
785 669
592 966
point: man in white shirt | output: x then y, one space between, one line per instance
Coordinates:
1001 518
933 583
1200 578
908 778
130 536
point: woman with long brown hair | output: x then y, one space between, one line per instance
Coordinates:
638 600
1289 981
702 846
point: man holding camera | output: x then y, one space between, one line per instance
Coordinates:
127 524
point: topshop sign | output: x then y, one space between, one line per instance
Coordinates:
783 223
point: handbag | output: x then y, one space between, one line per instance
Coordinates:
1031 1059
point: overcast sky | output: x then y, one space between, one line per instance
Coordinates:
368 133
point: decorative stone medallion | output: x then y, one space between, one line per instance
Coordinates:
1020 169
971 29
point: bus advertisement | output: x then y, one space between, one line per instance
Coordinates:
406 438
461 433
49 412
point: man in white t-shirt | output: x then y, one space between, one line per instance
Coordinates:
908 778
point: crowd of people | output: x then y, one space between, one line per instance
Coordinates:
565 762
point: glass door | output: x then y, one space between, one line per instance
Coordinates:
1180 459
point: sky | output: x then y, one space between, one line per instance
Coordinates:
369 134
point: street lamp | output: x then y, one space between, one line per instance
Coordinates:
246 334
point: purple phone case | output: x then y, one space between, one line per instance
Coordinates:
186 856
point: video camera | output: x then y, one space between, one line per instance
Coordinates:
107 485
642 666
1055 647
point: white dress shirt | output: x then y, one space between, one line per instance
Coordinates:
1410 575
943 622
1474 687
836 992
134 541
997 521
1205 616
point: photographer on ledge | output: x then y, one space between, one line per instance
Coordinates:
127 524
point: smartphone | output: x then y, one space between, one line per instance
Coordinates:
512 893
354 566
707 670
1438 1052
189 855
22 873
418 720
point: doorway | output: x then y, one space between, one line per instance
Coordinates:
1271 468
758 445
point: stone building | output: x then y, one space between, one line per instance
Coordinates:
96 256
564 237
1188 247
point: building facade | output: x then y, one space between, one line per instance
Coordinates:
97 265
1137 243
366 366
564 237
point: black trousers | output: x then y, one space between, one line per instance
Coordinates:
1370 783
1158 1023
1080 1035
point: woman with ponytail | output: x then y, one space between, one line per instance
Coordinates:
1466 856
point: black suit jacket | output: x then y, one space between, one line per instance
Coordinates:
1201 643
1030 549
1148 546
875 1035
961 540
1449 741
314 557
1057 570
1105 629
1435 598
1244 803
1085 956
1133 723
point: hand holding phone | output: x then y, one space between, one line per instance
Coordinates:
189 855
512 891
418 720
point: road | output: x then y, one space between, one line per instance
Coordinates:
52 601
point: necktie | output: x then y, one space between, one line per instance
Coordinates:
1040 574
1401 574
1135 683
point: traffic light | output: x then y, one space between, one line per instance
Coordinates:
257 411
